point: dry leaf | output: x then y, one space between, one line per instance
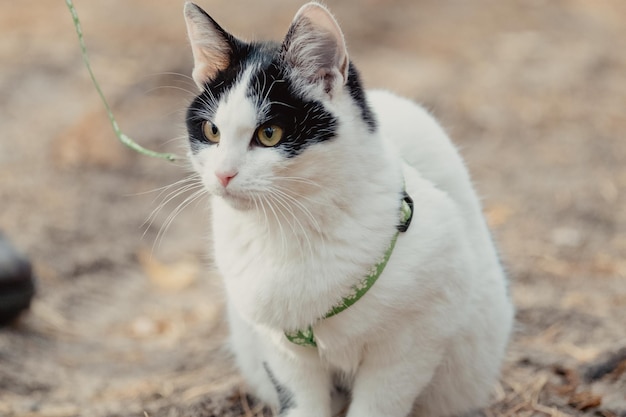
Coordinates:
585 400
169 277
498 214
605 413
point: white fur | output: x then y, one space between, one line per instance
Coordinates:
293 235
433 327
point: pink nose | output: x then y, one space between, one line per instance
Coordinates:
225 177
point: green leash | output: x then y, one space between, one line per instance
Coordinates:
306 337
120 135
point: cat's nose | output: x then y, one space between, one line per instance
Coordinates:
225 177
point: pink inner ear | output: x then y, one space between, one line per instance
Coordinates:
209 46
207 65
313 24
321 18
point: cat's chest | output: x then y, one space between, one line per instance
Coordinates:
277 280
247 252
278 292
288 280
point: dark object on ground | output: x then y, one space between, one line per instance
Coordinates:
17 285
615 362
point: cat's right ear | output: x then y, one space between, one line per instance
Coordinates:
210 44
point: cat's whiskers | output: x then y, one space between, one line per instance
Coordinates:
299 179
173 87
182 79
313 201
283 215
185 185
294 199
291 199
282 201
256 208
317 202
269 204
175 139
182 183
209 102
264 104
277 180
196 195
263 88
282 104
186 78
176 195
257 204
162 189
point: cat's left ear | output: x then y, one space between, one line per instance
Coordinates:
210 44
315 46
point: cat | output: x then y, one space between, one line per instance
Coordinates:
309 176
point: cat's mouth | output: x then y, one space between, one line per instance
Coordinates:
238 200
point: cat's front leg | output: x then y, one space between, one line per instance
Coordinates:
390 379
302 384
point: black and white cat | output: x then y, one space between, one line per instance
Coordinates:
309 176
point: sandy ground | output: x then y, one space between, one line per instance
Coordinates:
128 318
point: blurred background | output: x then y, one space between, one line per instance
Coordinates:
128 317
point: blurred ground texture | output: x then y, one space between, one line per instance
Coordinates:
128 323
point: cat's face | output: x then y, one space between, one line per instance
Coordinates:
258 127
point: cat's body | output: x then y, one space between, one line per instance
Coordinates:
299 222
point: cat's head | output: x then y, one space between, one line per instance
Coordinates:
273 120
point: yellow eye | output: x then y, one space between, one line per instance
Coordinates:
269 135
210 132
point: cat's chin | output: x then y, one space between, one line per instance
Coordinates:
235 201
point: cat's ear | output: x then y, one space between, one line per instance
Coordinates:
315 47
210 44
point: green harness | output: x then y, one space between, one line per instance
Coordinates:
306 337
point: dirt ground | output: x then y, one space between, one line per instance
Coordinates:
128 317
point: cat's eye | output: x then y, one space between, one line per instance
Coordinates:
269 135
210 132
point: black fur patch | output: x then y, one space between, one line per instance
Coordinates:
304 121
285 396
358 95
241 56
